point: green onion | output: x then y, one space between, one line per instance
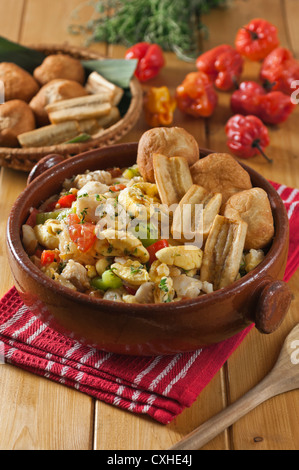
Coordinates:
80 138
60 214
41 217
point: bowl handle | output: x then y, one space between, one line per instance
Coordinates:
272 306
44 164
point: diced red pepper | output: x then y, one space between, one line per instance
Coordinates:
49 256
117 187
83 235
150 60
67 200
257 39
155 247
223 65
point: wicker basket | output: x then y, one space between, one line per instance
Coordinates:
25 159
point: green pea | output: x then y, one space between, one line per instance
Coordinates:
108 281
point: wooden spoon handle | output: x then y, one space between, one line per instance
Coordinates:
210 429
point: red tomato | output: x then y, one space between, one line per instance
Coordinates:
48 257
117 187
83 235
72 219
155 247
67 200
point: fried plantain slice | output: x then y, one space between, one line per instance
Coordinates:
173 178
223 252
195 214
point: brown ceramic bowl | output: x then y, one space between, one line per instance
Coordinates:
261 297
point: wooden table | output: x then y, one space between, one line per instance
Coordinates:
36 413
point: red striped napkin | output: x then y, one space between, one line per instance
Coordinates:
160 387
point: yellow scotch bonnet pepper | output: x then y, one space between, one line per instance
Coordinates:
159 107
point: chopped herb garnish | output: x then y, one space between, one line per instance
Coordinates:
61 266
83 215
163 285
136 269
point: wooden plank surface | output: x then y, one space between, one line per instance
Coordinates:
272 425
35 413
38 414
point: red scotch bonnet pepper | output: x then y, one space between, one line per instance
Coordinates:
272 108
247 136
196 95
257 39
280 70
223 65
150 60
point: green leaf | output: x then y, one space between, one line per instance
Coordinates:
117 71
80 138
22 56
